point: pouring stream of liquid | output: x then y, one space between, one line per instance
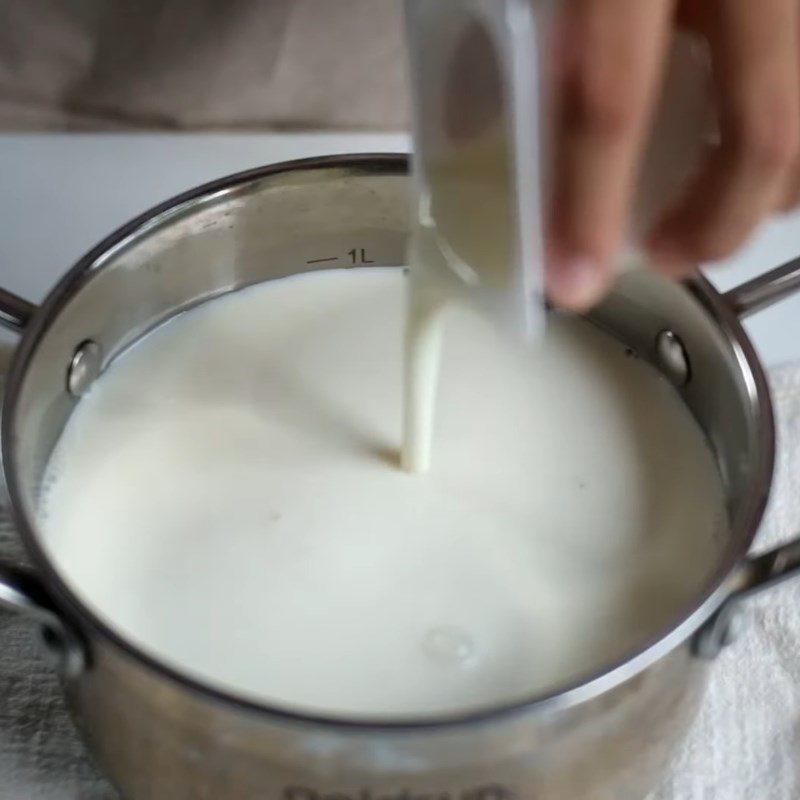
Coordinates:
477 232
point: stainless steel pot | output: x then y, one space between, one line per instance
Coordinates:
162 735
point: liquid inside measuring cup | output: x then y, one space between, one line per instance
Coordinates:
227 496
454 259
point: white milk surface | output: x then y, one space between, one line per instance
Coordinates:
229 497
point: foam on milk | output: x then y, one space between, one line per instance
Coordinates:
228 497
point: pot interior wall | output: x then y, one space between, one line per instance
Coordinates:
272 225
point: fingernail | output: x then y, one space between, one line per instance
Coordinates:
577 283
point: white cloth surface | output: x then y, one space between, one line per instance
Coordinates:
745 744
41 756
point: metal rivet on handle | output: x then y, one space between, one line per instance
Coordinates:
84 368
735 627
673 358
63 651
721 631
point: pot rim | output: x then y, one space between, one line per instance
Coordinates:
677 632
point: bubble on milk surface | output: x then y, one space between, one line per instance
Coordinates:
449 645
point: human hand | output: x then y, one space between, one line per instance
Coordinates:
609 73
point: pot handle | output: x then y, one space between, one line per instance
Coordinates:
768 569
23 592
765 290
20 589
755 575
15 312
764 571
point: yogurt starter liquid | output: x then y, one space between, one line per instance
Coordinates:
228 496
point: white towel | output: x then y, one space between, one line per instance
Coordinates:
745 744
